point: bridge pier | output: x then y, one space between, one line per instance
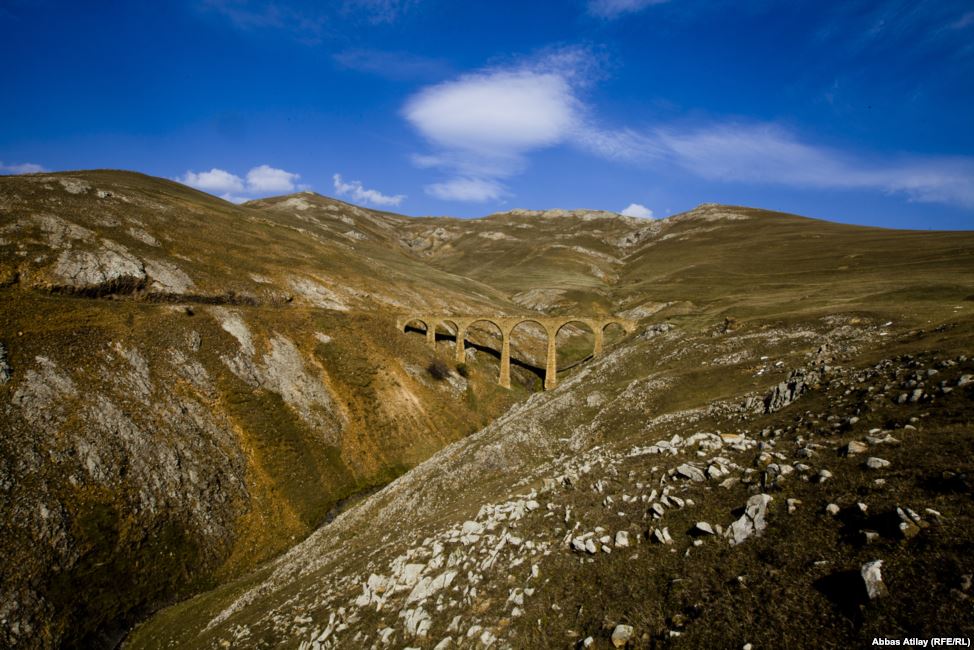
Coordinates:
461 335
551 367
505 379
431 334
597 349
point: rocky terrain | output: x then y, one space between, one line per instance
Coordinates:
209 399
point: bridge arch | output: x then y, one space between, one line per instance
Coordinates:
406 322
594 327
505 325
449 326
463 327
549 335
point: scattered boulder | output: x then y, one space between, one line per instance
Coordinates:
5 370
874 462
855 447
693 473
788 391
662 535
752 522
621 635
622 539
873 579
704 528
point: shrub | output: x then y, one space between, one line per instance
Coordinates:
438 369
463 370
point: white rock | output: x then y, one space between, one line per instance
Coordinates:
855 447
417 621
621 635
472 528
752 521
704 527
873 579
689 471
832 509
622 539
411 573
877 463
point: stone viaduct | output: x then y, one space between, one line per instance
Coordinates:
506 324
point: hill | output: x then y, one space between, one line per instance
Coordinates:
195 387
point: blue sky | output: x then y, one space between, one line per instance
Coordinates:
851 111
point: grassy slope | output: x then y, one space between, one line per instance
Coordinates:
793 284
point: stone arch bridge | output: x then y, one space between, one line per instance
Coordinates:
506 324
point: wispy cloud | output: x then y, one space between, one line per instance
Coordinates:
482 127
308 22
904 28
360 194
615 8
398 66
20 168
377 11
259 181
769 154
966 20
476 190
246 15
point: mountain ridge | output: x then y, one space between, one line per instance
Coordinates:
194 387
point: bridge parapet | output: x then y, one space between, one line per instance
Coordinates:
506 324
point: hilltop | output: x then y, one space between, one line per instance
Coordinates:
212 399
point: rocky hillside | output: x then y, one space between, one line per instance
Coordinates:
192 388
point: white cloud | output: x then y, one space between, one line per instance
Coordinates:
259 181
474 190
615 8
268 179
360 194
215 180
20 168
497 114
638 210
482 125
235 198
